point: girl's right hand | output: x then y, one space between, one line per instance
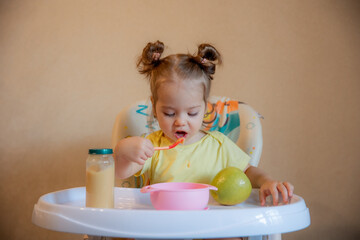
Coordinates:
134 149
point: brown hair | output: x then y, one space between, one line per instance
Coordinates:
200 66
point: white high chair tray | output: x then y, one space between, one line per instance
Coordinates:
135 217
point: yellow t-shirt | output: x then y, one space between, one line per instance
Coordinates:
198 162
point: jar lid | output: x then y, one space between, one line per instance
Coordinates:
100 151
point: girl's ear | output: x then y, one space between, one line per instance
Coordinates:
153 106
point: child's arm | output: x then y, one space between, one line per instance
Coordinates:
268 186
130 155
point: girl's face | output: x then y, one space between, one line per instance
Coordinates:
180 110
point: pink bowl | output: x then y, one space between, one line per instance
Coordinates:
179 195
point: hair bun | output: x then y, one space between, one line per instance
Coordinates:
150 57
207 58
209 53
153 51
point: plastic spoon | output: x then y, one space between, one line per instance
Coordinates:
180 140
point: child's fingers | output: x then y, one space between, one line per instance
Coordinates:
141 160
262 197
283 191
263 194
275 195
149 148
148 143
290 188
274 189
149 152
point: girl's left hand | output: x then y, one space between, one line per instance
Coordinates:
275 188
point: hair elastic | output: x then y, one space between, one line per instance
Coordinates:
156 56
203 60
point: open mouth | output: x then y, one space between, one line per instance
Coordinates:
180 134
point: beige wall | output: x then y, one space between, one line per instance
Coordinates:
67 68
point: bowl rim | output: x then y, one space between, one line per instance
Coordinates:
166 186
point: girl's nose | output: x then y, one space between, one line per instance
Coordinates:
180 121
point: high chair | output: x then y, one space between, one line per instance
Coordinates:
133 215
237 120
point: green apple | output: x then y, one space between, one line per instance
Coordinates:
233 186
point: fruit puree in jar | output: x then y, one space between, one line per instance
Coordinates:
100 186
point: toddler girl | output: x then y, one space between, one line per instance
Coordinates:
180 86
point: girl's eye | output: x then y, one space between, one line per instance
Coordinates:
192 114
169 114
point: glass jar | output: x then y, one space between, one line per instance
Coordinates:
100 178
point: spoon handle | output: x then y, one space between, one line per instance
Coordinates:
180 140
